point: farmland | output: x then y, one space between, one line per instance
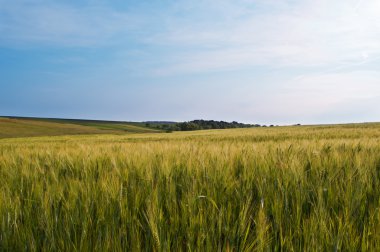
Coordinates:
31 127
306 188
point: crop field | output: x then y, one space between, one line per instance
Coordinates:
306 188
28 127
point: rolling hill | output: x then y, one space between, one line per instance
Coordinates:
25 127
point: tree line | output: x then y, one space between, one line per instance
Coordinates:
201 125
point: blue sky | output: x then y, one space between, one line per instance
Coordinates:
256 61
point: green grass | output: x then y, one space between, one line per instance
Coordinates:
25 127
311 188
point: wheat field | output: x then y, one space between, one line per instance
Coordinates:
309 188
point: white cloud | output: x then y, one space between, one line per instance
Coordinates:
304 33
333 47
208 34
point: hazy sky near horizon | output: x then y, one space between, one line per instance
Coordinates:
255 61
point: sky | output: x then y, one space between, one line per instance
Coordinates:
253 61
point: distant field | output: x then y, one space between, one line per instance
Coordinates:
25 127
308 188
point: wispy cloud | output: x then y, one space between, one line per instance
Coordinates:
304 33
207 35
37 22
250 60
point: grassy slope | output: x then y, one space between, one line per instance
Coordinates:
25 127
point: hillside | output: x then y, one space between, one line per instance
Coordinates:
25 127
